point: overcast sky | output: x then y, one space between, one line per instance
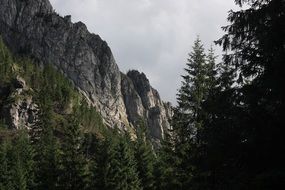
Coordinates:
152 36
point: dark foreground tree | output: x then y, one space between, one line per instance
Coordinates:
244 133
188 120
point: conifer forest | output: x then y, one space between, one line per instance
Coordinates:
226 130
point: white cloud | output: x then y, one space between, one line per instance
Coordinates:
153 36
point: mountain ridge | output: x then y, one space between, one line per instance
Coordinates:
33 28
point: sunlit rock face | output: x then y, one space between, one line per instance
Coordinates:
155 111
31 27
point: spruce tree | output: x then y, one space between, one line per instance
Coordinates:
188 115
74 168
104 163
244 135
48 161
144 158
165 167
22 162
192 94
122 172
115 166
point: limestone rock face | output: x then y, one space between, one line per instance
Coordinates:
31 27
132 100
22 114
143 101
21 111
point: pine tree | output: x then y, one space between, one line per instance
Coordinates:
48 160
144 158
165 167
121 172
192 93
46 145
189 121
115 165
103 162
22 162
188 115
74 168
244 135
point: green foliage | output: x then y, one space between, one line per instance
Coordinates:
116 166
193 92
55 142
89 118
48 151
6 64
145 158
5 167
246 118
17 163
68 145
188 120
74 170
237 141
3 125
165 171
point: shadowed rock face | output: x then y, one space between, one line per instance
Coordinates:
22 112
32 28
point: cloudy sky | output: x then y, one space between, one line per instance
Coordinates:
152 36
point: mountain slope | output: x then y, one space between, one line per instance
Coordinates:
32 28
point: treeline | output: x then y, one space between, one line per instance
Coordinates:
75 161
228 127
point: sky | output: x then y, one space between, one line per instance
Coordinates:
152 36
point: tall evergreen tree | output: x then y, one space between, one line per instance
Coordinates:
103 162
144 158
165 168
46 145
74 168
115 166
122 172
23 170
244 135
48 160
192 94
188 115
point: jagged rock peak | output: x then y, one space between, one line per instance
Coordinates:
150 97
143 101
32 28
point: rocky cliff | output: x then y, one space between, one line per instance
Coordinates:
18 109
32 28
